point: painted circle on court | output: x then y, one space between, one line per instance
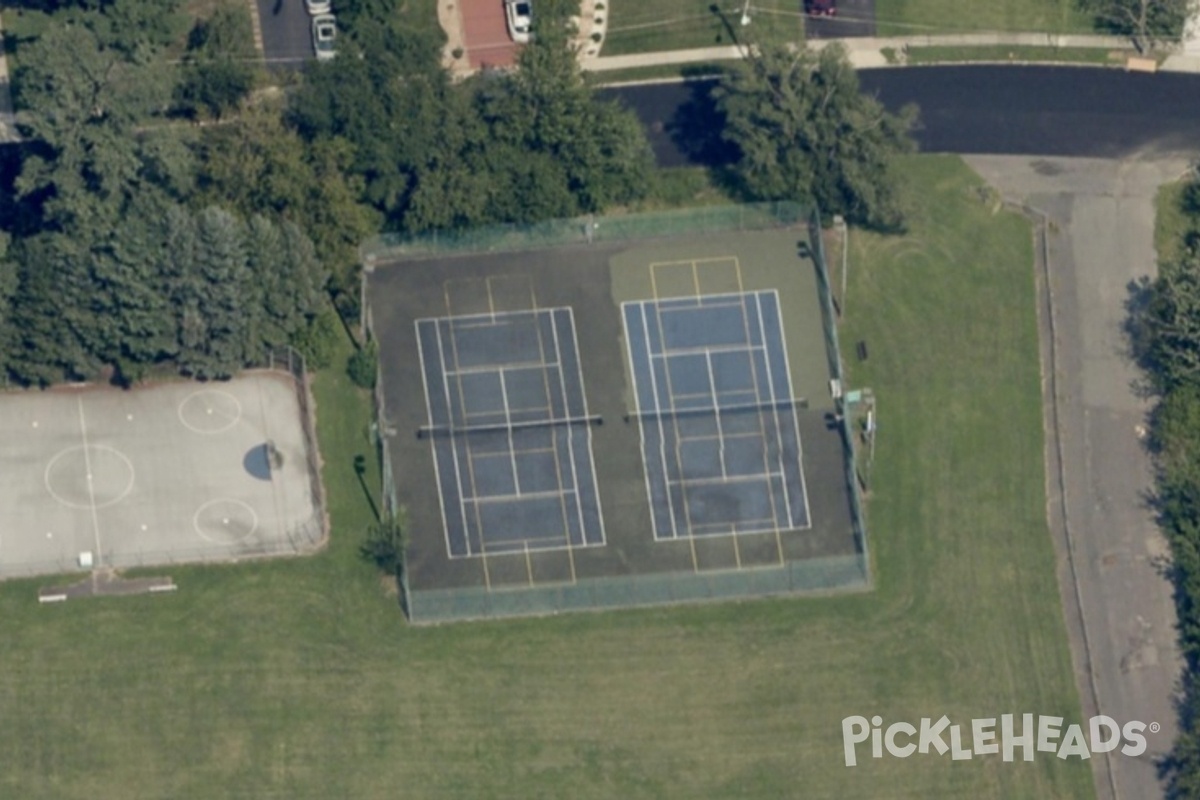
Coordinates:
209 411
225 521
92 476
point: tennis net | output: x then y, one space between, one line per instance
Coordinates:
429 431
746 408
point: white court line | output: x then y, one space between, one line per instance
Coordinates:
722 348
486 319
87 462
662 439
429 415
512 448
758 477
787 502
712 383
462 506
487 499
562 384
641 419
490 368
590 448
787 366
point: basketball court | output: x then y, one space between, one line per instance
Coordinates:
96 477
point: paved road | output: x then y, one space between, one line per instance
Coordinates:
1066 111
286 32
1101 240
854 18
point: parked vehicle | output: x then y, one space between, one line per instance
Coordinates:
519 16
318 7
820 8
324 29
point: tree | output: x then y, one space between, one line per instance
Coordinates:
54 329
1146 21
221 308
257 165
292 280
8 288
1168 328
386 541
218 74
804 131
83 101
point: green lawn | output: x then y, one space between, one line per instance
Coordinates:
911 17
298 679
1080 55
681 24
1170 221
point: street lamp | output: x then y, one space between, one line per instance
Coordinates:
746 13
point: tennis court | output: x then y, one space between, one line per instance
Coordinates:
510 430
719 432
613 423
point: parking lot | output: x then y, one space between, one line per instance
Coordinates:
286 32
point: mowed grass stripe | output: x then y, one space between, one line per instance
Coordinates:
298 678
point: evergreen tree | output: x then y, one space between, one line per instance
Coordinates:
219 323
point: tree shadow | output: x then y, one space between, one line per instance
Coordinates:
1137 336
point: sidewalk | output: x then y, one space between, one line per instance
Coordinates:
866 53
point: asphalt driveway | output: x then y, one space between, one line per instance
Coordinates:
1118 604
854 18
286 32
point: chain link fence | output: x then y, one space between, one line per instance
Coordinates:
833 351
585 230
831 573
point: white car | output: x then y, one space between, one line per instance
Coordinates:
317 7
324 28
519 15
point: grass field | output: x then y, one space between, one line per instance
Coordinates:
298 679
1002 53
680 24
909 17
1170 221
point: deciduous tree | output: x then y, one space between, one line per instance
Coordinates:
806 132
1145 21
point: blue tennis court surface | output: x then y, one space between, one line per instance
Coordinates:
720 437
511 435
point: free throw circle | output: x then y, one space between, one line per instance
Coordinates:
209 411
95 476
225 521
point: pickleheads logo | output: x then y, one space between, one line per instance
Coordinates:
982 738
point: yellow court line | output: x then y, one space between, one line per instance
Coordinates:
696 278
737 267
491 300
528 563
